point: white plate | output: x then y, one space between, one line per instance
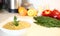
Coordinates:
4 34
22 32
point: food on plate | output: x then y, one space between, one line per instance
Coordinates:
47 21
16 25
46 13
22 11
32 12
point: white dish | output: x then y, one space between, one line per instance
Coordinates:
14 32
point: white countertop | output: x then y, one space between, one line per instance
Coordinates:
5 15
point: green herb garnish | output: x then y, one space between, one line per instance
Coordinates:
15 21
47 21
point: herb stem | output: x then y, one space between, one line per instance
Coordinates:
15 21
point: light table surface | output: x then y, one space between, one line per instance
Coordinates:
34 30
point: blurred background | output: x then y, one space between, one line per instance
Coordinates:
12 5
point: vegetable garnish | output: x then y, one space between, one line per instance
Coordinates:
47 21
15 21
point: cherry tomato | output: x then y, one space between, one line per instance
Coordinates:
54 13
46 12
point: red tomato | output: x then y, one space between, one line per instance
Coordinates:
54 13
46 12
58 17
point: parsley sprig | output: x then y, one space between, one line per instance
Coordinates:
15 21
